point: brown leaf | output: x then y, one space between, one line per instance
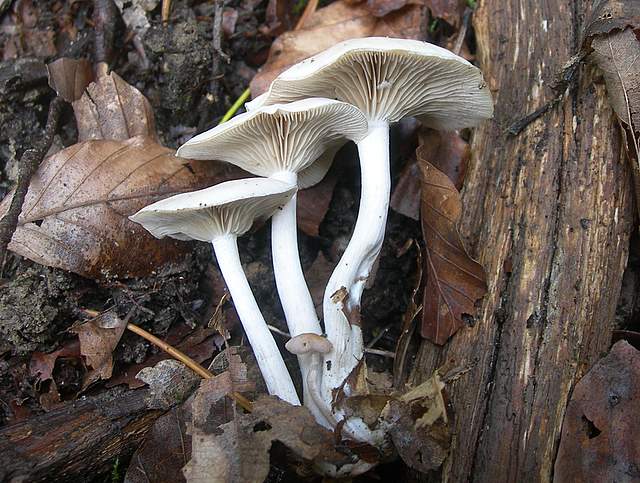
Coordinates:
70 77
317 277
42 365
454 280
448 10
332 24
168 447
113 109
98 338
75 213
419 425
405 198
239 450
313 204
447 151
169 381
279 17
599 439
609 16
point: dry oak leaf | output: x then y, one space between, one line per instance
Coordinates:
75 213
419 425
454 280
70 77
599 439
98 339
112 109
332 24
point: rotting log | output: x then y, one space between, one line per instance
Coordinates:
549 214
76 440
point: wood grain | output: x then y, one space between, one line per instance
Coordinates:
548 213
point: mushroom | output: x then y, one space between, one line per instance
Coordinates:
294 143
387 79
219 215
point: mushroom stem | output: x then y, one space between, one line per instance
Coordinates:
267 354
296 300
344 289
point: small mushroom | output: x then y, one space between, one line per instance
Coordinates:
219 215
387 79
294 143
313 346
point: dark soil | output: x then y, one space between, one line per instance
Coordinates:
38 304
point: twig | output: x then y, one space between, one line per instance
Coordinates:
29 163
106 17
379 352
278 331
166 11
462 33
310 8
187 361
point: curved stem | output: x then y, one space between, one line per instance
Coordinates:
296 300
264 347
344 289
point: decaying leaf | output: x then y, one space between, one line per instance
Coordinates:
113 109
98 338
332 24
418 425
239 450
75 213
168 447
599 439
612 40
42 365
405 198
313 204
169 382
454 280
70 77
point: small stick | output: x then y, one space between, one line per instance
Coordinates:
29 163
379 352
187 361
166 11
275 330
311 7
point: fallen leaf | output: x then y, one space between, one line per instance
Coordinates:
317 277
419 425
70 77
239 450
42 364
75 213
168 447
113 109
405 198
332 24
454 280
612 40
169 382
313 204
98 338
279 17
448 10
447 151
599 439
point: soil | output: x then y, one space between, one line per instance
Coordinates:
39 304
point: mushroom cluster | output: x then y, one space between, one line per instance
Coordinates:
351 92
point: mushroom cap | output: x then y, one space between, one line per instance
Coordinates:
308 343
389 79
228 208
278 138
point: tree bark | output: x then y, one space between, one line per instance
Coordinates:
548 213
76 440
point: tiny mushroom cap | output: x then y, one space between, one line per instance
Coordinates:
308 343
229 208
389 79
282 138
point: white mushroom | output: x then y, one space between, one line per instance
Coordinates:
387 79
218 215
294 143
